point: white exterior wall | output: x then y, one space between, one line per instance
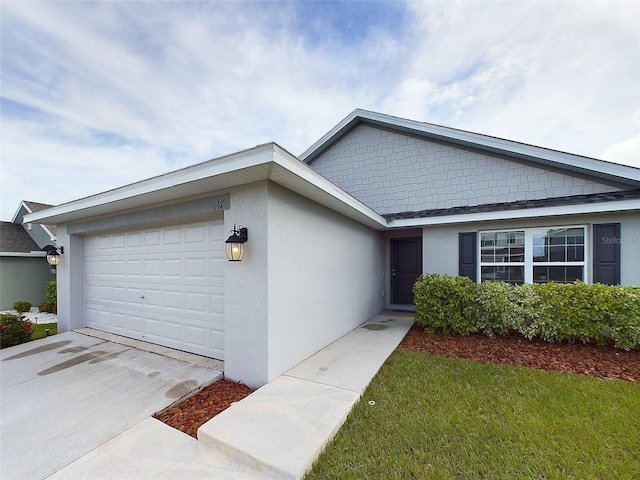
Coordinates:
440 243
247 289
326 277
70 281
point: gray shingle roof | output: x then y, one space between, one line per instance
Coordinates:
519 205
14 238
36 207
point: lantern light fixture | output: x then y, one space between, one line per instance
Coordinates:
53 256
234 247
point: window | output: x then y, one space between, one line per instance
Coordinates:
535 255
502 256
558 255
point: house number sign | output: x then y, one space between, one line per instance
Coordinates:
219 205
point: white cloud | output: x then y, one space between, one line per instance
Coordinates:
558 74
626 152
100 94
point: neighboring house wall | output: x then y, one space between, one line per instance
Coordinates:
440 243
39 234
392 173
23 278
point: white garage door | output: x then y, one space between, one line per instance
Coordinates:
161 285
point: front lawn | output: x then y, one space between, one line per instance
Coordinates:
445 418
40 331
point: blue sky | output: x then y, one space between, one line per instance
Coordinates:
96 95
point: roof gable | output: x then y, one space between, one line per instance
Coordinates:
25 208
608 171
392 172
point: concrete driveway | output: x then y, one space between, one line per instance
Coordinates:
63 396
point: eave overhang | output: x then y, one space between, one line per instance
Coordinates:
558 211
264 162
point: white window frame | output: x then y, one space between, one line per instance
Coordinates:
528 263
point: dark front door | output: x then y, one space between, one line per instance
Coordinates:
406 267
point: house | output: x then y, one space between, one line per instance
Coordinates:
334 237
43 235
23 271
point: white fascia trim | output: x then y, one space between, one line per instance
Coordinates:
508 146
26 207
260 155
246 158
619 206
333 132
303 171
52 237
35 253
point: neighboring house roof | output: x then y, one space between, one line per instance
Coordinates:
27 207
14 238
543 156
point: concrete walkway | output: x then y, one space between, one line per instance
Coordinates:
274 433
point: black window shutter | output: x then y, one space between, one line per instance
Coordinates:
606 253
467 256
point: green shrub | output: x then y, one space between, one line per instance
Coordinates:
577 311
551 311
529 310
46 307
51 292
22 306
621 315
14 330
495 307
443 303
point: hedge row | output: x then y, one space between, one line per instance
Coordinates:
551 311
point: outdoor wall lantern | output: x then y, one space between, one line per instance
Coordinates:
53 257
235 243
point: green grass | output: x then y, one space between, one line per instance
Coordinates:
39 331
445 418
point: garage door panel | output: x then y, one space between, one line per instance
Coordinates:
151 238
216 303
164 285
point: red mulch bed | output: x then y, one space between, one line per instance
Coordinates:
586 359
188 415
597 361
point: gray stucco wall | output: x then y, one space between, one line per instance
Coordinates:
394 173
23 278
309 276
440 243
326 277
